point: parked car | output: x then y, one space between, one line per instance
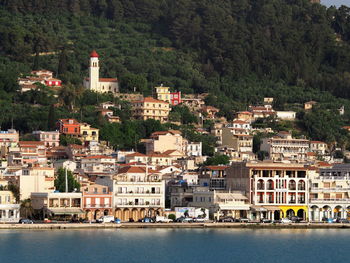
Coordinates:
286 221
229 219
199 219
163 219
117 221
25 221
131 220
106 219
147 220
342 220
265 220
296 219
184 220
244 220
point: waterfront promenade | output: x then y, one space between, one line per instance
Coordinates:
175 225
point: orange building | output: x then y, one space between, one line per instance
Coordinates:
69 126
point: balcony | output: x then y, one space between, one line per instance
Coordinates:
98 206
331 189
329 200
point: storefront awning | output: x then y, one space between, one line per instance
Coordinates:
272 208
68 211
258 208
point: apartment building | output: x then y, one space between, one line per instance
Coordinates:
50 138
9 209
162 141
150 108
329 193
57 205
27 152
138 192
97 201
275 190
8 138
88 133
285 147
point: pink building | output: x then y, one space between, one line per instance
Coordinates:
97 201
50 138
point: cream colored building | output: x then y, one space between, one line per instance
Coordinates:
318 147
150 108
8 138
240 142
163 141
9 209
57 204
330 193
163 93
36 179
138 192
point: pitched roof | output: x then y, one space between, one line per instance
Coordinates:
94 54
98 157
150 99
30 143
108 79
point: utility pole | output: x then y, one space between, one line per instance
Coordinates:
66 179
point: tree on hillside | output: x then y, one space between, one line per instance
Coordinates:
60 181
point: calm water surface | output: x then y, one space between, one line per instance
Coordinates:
179 245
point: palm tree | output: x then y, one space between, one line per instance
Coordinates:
26 208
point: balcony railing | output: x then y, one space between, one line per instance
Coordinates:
335 189
329 200
98 206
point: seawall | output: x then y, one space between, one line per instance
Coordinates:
175 225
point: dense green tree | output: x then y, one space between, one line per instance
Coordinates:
60 181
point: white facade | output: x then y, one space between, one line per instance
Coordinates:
97 84
194 149
286 115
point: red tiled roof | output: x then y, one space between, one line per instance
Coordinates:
108 79
66 121
30 143
132 169
150 99
98 157
94 54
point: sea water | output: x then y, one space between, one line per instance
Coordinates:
174 245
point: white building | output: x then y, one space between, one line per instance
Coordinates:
138 192
194 149
329 193
94 82
284 147
286 115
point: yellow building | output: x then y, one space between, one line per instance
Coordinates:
163 93
150 108
88 133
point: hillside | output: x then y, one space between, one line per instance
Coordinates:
237 50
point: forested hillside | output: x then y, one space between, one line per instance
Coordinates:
237 50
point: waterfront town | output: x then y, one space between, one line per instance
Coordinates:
292 179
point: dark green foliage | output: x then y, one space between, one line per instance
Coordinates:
218 159
182 114
238 51
66 140
60 182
